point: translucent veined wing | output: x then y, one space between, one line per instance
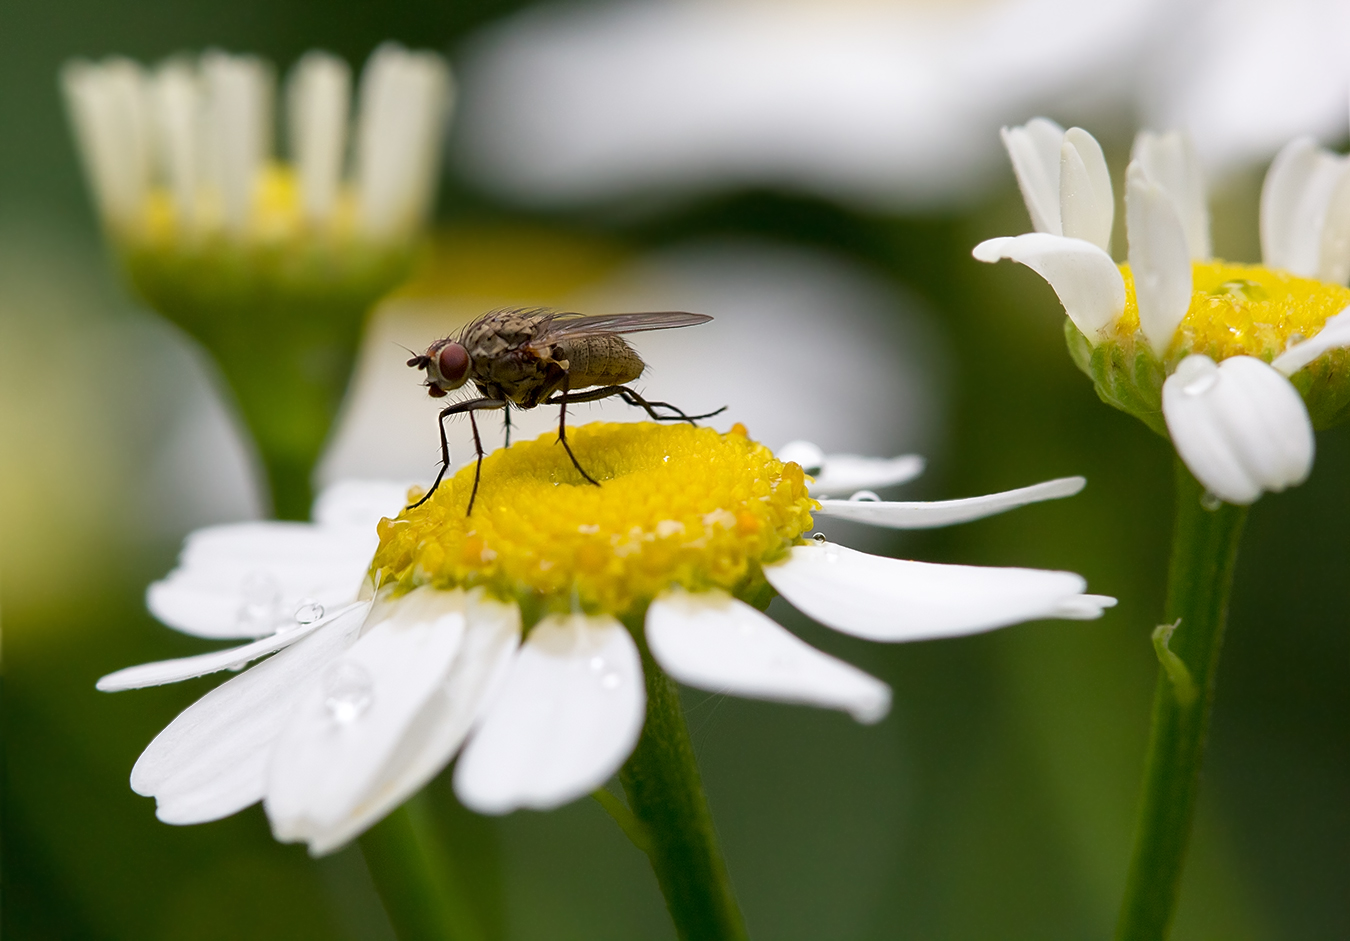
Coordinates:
566 325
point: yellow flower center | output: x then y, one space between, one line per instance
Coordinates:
676 505
276 216
1243 310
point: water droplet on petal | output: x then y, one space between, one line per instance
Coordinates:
597 664
818 538
308 612
864 496
347 691
262 597
1210 501
610 681
1202 383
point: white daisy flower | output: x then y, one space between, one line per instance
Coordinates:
879 103
1236 363
516 637
184 150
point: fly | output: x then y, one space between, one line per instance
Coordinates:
526 357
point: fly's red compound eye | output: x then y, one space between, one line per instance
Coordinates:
453 362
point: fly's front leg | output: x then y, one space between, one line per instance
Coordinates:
561 401
478 467
471 406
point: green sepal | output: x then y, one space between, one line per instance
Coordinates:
1126 375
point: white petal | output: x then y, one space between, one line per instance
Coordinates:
1159 259
898 600
1335 334
1086 202
212 760
176 94
712 641
1087 281
360 504
567 716
404 100
1240 427
239 120
1083 607
108 107
184 668
353 721
248 579
1294 202
318 96
1333 263
490 641
845 472
1171 163
1034 149
927 515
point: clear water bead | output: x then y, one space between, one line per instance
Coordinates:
348 691
864 496
1210 501
818 538
308 612
262 597
610 681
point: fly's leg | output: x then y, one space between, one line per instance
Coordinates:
478 467
506 420
632 398
459 408
562 434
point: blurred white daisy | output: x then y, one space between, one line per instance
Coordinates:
184 150
878 103
515 637
1237 363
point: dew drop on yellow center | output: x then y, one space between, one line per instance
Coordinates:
1243 310
676 505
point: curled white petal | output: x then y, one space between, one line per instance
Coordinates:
931 514
1086 202
566 717
1333 262
1240 426
1295 199
712 641
835 473
212 760
1171 163
1159 259
353 722
1034 149
899 600
1087 281
1083 607
1334 335
184 668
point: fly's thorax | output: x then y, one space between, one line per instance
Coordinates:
1236 310
601 360
676 505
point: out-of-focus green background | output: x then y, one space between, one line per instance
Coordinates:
994 802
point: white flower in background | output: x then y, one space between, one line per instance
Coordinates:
1224 355
1245 76
185 149
888 103
512 637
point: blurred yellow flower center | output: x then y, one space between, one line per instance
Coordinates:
276 215
676 505
1244 310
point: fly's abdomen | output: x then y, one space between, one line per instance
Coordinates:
600 361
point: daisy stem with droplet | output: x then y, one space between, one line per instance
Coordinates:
665 792
1200 578
415 879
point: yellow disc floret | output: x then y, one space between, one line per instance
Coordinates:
676 505
1243 310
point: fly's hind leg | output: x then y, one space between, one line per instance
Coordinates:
506 420
632 398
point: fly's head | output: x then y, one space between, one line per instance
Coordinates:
446 363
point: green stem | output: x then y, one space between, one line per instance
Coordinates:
1200 577
415 880
665 792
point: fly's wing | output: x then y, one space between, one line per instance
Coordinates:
571 326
